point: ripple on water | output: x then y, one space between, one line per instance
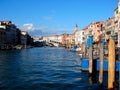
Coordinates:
43 69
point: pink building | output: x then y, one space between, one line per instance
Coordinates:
64 39
96 28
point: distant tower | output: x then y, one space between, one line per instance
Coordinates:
76 28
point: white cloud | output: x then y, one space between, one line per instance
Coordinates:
28 27
45 31
31 27
34 31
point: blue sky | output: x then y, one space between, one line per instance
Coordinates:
50 17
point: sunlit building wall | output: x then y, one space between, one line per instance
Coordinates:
119 23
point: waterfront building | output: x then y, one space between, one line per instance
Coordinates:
119 23
49 38
96 30
116 18
12 32
86 32
112 27
55 40
24 38
38 39
79 37
109 27
11 36
59 39
18 37
70 40
29 40
2 36
45 38
3 33
65 39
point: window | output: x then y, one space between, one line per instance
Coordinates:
83 38
116 11
82 33
97 25
98 30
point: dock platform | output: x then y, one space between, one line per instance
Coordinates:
85 65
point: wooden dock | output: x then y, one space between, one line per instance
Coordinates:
96 62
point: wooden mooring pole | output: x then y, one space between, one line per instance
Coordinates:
90 52
101 64
90 60
90 46
111 64
119 66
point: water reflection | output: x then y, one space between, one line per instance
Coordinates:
43 69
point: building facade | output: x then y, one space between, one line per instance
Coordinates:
11 36
24 38
79 38
118 23
65 39
96 30
12 33
2 36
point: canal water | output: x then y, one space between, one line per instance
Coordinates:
44 69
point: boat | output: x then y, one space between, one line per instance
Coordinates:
75 49
18 47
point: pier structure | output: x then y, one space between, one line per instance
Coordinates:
111 65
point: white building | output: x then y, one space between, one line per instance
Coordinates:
79 37
48 38
59 38
56 38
